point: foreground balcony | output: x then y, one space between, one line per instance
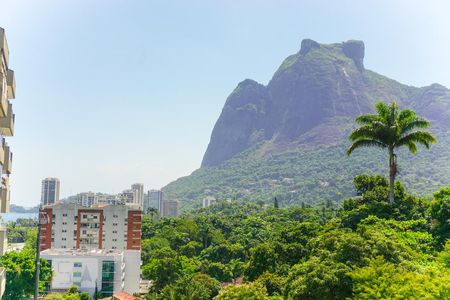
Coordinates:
3 241
4 196
3 145
11 82
4 50
2 281
7 160
3 96
7 122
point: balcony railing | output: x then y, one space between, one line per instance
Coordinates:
4 195
7 122
2 152
3 95
7 164
11 81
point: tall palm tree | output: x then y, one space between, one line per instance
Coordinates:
391 128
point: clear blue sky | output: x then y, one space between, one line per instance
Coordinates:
115 92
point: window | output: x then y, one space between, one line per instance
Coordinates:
84 216
77 265
107 277
76 274
63 238
64 215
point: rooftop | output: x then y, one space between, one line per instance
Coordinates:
81 252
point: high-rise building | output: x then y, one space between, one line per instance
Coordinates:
7 118
71 226
169 208
139 188
50 191
155 198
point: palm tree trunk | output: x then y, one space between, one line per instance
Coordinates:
392 173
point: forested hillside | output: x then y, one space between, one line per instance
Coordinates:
366 249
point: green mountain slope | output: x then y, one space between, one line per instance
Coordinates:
288 139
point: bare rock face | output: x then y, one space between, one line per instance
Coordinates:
322 84
355 50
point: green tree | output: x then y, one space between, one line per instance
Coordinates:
275 203
391 128
318 278
383 280
191 287
20 274
440 214
243 292
262 258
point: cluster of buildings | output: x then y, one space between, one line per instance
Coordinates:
7 118
93 240
135 196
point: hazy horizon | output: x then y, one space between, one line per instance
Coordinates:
112 93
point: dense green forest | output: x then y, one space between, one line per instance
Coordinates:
364 249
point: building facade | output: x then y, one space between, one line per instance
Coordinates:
208 201
155 198
7 120
71 226
110 271
139 189
50 191
169 208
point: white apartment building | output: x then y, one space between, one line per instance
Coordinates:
208 201
87 199
111 271
71 226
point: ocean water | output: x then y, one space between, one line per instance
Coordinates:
14 216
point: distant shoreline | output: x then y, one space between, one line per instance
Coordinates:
13 216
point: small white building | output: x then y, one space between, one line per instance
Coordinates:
208 201
111 271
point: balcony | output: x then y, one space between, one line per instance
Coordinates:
11 81
2 281
3 95
2 152
7 160
4 195
4 50
7 122
3 241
